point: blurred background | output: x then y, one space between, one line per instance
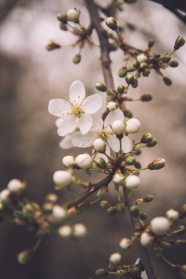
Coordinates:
29 145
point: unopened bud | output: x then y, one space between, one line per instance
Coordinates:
132 126
132 182
134 210
118 127
117 178
182 211
141 58
79 231
129 78
5 196
180 41
173 63
144 66
101 272
99 145
166 58
125 243
135 83
146 239
157 164
68 161
111 23
83 161
105 204
143 216
25 256
121 89
62 178
123 72
160 225
130 160
77 59
146 73
111 211
51 45
172 215
147 137
15 186
115 258
146 98
100 163
101 86
148 198
62 18
112 106
135 271
152 143
73 15
62 26
65 231
150 43
120 207
167 81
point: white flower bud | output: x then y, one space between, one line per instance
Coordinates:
118 127
141 58
68 160
79 231
5 196
132 182
99 145
112 106
117 178
83 161
58 214
125 243
172 215
146 239
73 15
115 258
160 225
65 231
132 126
62 178
15 186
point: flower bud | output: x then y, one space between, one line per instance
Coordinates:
5 196
182 211
62 178
132 126
146 98
160 225
166 58
173 63
125 243
15 186
50 45
146 239
111 23
115 258
101 272
130 160
62 18
167 81
111 211
68 161
25 256
83 161
117 178
99 145
101 86
129 78
63 26
65 231
118 127
146 72
121 89
73 15
144 66
157 164
150 43
148 198
172 215
100 162
77 58
105 204
51 198
79 231
134 210
123 72
180 41
141 58
152 143
147 137
58 214
143 216
120 207
112 106
132 182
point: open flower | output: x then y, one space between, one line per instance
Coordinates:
77 112
103 130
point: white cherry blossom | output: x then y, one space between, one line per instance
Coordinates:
77 112
102 129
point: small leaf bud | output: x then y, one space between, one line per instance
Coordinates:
111 211
132 126
83 161
146 73
182 211
68 161
135 83
73 15
62 178
100 162
134 210
157 164
152 143
62 26
130 160
160 225
123 72
51 45
150 43
65 231
146 98
117 178
137 165
15 186
144 66
118 127
146 239
147 137
148 198
129 78
167 81
112 106
77 59
105 204
115 258
132 182
166 58
79 231
172 215
125 243
120 207
101 272
128 114
99 145
120 89
101 86
141 58
173 63
180 41
62 18
25 256
111 23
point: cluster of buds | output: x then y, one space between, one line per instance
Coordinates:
112 210
76 231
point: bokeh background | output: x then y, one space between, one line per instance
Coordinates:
29 146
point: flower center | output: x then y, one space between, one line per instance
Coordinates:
77 111
103 135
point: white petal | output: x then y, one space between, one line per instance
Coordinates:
80 140
68 125
97 122
66 142
92 103
127 144
59 107
114 115
85 123
113 142
77 92
59 122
